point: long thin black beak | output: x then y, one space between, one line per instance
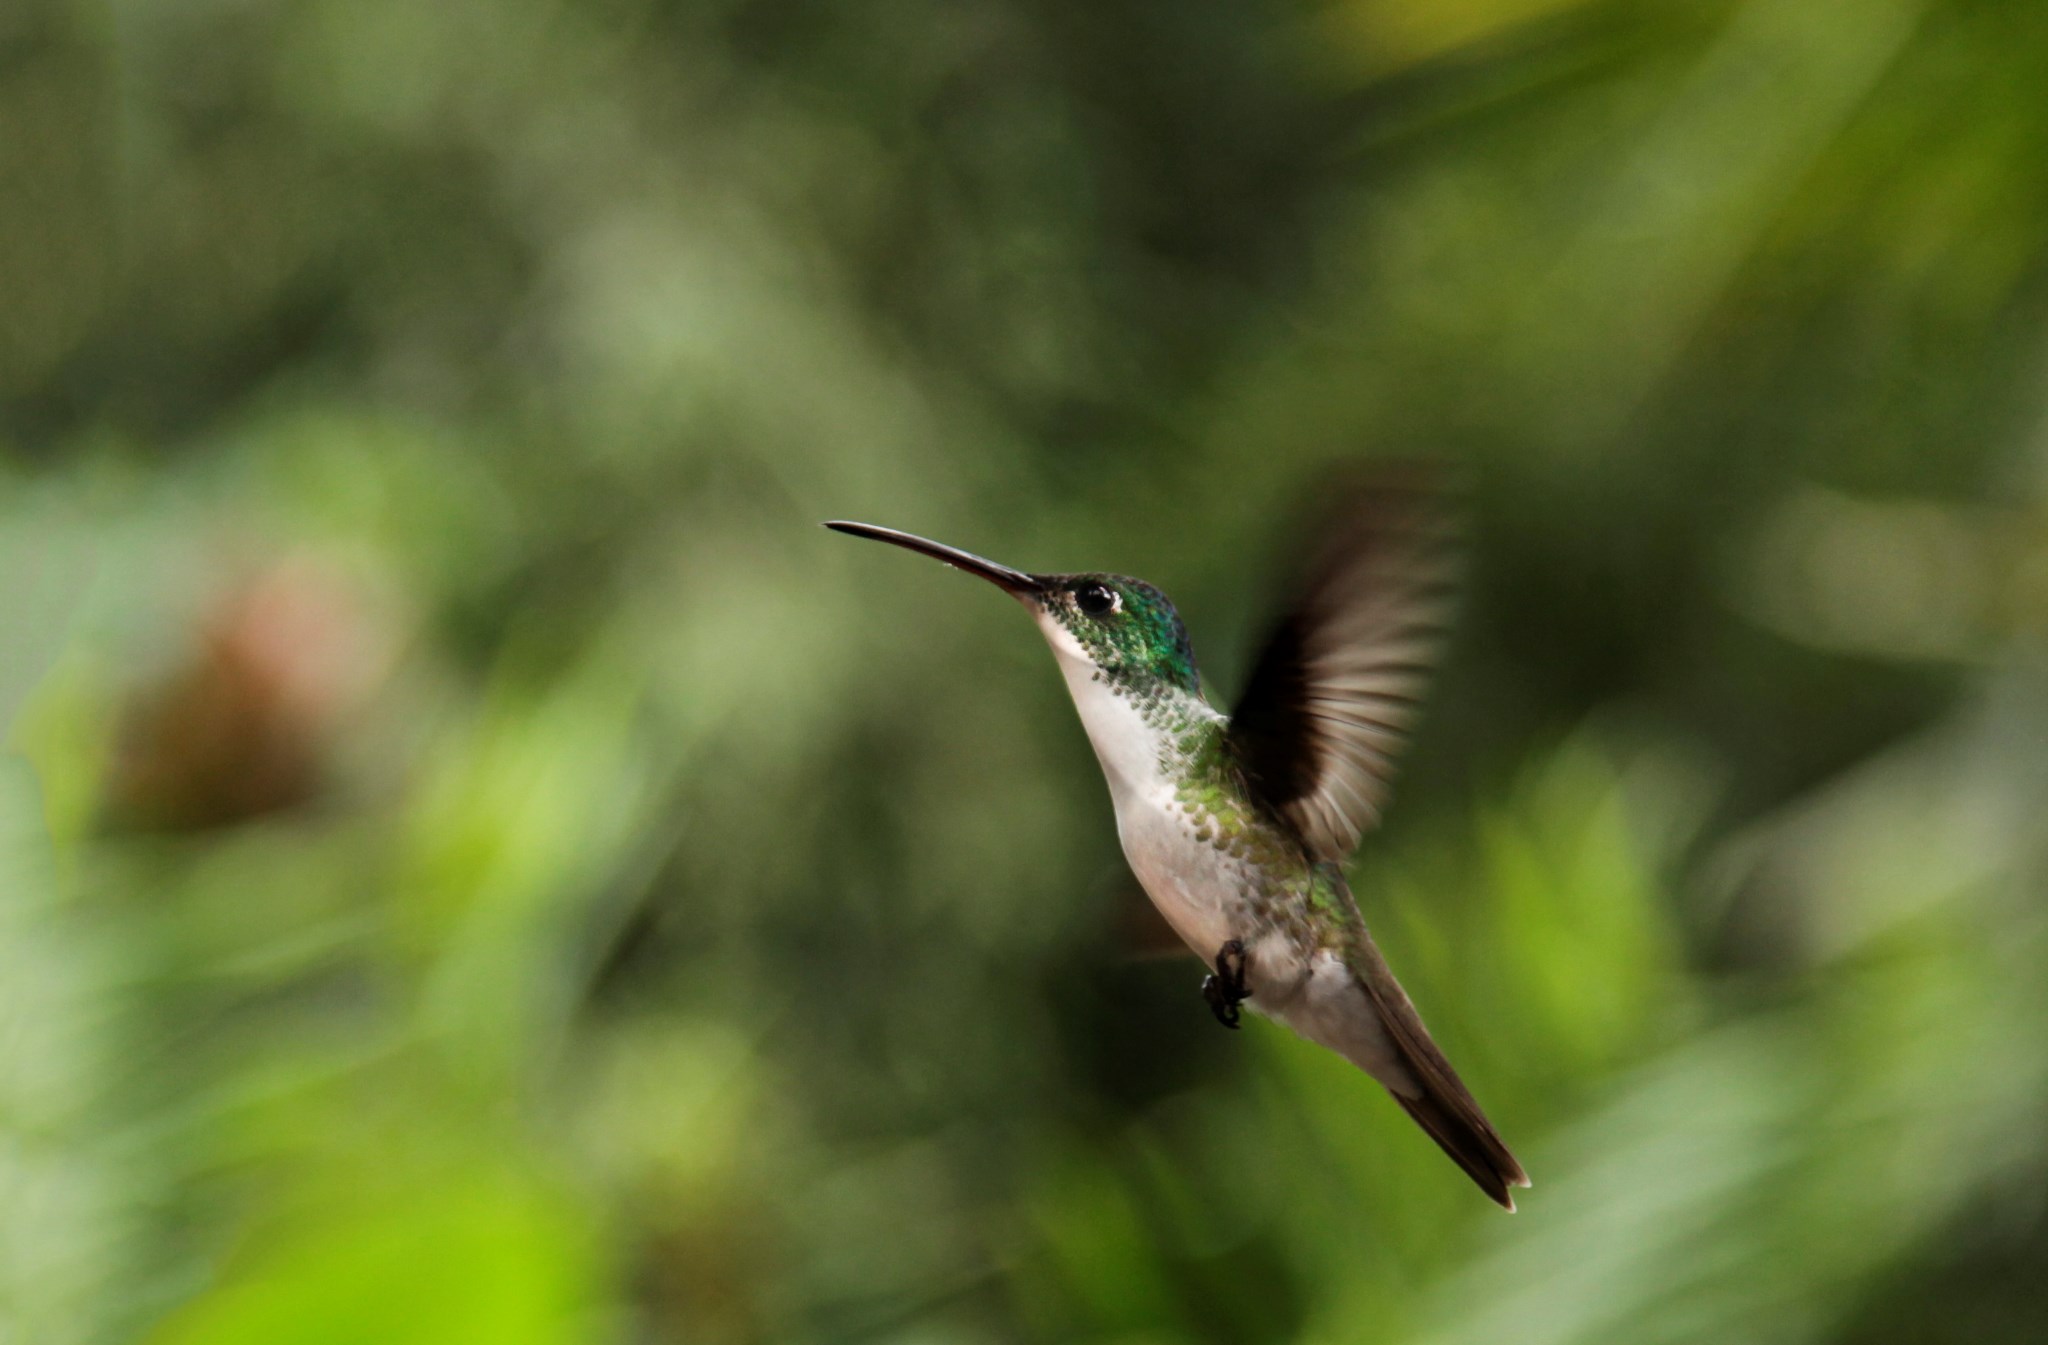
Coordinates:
1015 582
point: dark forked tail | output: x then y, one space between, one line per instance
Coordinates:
1442 1106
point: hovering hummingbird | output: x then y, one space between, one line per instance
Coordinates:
1237 827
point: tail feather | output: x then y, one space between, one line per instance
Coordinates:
1442 1105
1468 1148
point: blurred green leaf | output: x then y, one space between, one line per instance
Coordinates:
482 1258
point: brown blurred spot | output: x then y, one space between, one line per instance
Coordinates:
248 724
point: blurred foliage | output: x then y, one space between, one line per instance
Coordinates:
477 863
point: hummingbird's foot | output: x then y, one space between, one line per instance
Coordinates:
1226 989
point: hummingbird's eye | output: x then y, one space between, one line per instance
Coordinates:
1097 599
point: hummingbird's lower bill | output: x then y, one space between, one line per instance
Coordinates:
1238 827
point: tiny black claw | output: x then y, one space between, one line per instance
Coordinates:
1219 1002
1226 989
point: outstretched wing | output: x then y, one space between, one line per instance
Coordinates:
1332 695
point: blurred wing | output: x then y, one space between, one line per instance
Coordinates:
1330 700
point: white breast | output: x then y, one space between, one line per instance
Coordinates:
1196 887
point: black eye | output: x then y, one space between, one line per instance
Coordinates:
1096 599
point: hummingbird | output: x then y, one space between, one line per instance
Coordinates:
1238 826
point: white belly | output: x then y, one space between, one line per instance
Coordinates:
1204 894
1201 891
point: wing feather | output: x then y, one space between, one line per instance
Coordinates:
1338 684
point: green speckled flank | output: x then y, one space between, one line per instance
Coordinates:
1288 891
1211 791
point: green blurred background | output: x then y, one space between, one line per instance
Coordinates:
478 863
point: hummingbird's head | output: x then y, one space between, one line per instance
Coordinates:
1124 628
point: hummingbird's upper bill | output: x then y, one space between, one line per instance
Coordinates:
1014 582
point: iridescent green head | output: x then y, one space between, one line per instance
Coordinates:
1123 626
